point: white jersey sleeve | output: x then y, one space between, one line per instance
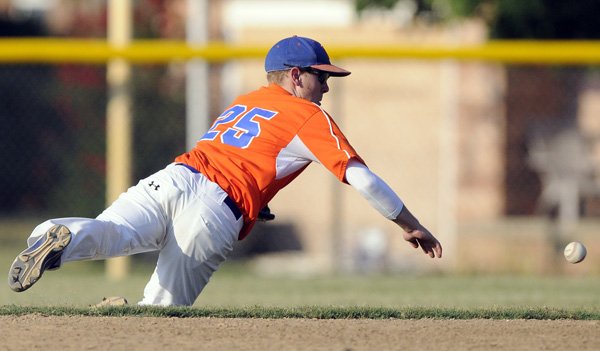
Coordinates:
374 189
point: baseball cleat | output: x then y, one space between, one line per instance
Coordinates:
44 254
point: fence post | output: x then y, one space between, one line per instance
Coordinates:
119 120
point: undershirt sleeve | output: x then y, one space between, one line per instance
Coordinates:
374 189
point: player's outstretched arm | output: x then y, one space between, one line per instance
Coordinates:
385 200
417 235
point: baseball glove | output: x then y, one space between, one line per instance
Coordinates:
265 214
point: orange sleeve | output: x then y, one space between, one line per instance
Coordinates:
328 144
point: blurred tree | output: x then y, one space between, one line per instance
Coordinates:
158 91
511 19
31 130
545 19
78 94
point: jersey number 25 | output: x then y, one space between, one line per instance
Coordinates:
244 125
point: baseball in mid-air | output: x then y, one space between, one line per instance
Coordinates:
575 252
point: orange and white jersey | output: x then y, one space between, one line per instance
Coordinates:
262 142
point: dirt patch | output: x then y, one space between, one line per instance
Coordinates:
145 333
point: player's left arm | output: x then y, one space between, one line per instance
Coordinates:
385 200
265 214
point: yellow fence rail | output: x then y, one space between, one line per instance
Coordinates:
97 51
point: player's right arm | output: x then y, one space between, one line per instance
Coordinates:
384 199
322 141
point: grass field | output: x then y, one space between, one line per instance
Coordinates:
83 284
236 287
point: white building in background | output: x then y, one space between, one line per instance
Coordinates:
239 14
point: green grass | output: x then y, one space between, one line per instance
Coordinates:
397 291
308 312
236 291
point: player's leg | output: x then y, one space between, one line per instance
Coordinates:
200 239
134 223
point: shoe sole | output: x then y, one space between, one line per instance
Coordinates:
30 264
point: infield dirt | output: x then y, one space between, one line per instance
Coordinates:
34 331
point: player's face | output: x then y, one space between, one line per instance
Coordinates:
313 85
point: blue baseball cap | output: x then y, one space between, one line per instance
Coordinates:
301 52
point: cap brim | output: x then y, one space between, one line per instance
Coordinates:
333 71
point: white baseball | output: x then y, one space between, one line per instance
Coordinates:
575 252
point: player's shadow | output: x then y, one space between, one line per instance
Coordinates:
265 238
268 238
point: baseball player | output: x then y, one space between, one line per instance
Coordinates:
194 209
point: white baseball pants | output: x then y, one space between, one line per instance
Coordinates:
176 211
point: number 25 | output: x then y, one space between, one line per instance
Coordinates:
245 128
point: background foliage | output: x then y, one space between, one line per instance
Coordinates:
511 19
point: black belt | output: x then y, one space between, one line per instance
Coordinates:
233 207
228 201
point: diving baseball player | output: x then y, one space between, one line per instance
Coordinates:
194 209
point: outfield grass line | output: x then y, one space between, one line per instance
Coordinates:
307 312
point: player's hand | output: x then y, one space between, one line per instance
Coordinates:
417 235
265 214
421 237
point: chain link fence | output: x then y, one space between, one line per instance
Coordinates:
54 139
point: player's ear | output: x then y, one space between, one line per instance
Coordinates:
295 75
